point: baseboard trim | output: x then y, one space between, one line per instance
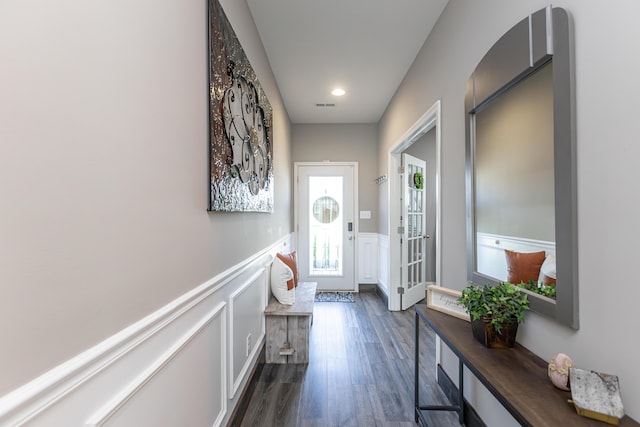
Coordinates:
471 417
382 295
367 287
247 392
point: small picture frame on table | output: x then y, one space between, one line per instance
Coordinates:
446 301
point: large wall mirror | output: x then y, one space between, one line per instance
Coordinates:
521 165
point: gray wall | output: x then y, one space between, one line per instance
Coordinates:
104 171
342 143
606 73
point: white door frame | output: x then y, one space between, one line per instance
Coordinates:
356 218
429 120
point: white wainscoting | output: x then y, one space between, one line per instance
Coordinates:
490 254
182 365
368 258
383 263
247 327
171 376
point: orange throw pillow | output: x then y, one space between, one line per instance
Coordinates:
291 262
523 266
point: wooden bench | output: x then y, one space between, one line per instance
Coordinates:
288 327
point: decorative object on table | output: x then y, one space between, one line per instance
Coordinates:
240 125
281 275
558 371
596 395
446 301
495 312
418 180
334 297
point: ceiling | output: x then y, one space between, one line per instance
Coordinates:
363 46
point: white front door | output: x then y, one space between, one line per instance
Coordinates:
325 222
414 231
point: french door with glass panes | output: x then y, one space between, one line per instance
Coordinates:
414 231
325 224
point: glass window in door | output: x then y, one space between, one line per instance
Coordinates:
325 225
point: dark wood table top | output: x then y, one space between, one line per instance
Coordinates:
516 377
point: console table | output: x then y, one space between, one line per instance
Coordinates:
516 377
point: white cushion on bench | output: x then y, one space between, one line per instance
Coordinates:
280 274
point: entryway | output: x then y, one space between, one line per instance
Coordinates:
325 222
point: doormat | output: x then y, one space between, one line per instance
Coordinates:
335 297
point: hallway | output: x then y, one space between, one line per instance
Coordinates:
360 372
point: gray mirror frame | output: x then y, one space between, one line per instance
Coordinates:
539 38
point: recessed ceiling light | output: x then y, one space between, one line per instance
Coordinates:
338 92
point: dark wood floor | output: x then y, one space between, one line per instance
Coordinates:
360 372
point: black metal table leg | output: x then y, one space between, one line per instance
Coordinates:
461 391
415 372
419 417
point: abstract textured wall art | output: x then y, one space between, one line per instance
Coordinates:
240 119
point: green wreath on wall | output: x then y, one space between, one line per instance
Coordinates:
418 180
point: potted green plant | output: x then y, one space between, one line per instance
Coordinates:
495 311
